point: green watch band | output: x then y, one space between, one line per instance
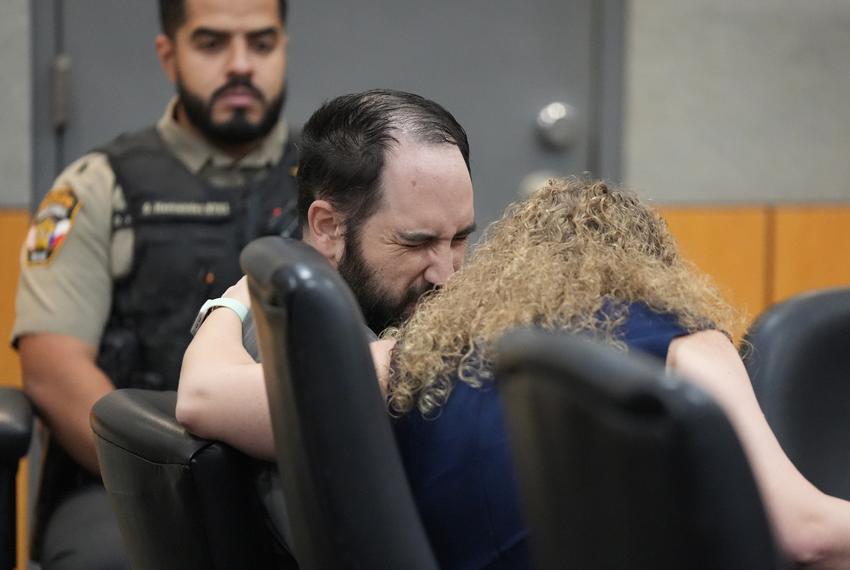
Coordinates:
232 304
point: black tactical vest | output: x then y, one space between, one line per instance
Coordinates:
187 239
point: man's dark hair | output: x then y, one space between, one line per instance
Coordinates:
344 144
172 15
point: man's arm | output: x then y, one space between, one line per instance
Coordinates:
63 300
63 382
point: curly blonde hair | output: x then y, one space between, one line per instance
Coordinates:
572 256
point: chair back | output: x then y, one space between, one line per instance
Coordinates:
181 502
621 466
798 357
15 433
347 495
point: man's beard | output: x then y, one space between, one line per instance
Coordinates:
238 129
379 307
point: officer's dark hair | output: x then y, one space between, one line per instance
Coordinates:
172 15
344 144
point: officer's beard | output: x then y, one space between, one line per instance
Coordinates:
238 130
379 307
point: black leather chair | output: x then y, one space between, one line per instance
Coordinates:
346 492
798 357
181 502
623 467
15 433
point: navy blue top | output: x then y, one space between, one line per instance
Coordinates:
460 471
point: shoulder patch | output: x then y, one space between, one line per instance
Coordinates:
51 224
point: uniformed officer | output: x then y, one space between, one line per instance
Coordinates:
134 236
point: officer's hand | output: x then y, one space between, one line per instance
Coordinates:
239 291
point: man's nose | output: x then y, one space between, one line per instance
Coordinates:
239 62
441 267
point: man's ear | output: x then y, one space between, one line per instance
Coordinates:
165 53
326 230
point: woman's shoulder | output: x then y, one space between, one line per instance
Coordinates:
648 330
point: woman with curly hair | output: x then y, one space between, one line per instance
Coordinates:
576 256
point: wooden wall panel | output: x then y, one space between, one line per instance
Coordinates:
13 225
812 249
731 245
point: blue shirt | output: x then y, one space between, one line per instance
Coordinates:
460 471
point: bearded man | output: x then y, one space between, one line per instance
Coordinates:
133 237
385 195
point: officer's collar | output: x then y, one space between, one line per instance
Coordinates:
196 153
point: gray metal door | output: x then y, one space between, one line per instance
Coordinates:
494 63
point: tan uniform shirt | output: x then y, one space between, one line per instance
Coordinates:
71 255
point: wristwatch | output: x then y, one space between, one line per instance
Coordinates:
210 304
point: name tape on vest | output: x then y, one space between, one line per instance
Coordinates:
200 209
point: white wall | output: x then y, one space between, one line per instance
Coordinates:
738 100
15 104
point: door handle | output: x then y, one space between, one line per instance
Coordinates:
557 125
